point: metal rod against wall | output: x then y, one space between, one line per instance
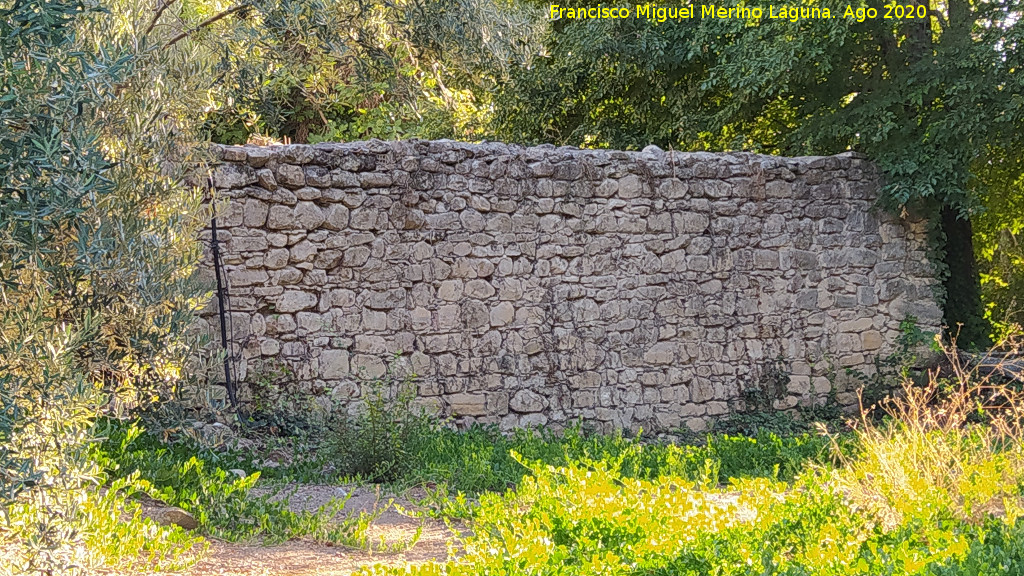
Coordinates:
229 384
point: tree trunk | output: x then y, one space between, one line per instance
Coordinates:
963 313
302 133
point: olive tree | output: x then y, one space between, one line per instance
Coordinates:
98 249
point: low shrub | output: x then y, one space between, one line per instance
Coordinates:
381 441
953 448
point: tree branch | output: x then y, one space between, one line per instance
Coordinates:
938 18
159 12
205 23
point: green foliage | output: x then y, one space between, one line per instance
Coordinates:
110 527
97 283
584 518
999 243
380 441
224 504
481 459
271 412
810 86
443 503
751 423
341 70
998 548
924 493
391 442
934 101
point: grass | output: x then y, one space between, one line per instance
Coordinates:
203 482
933 488
481 459
953 448
455 467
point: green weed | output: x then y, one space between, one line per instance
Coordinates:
585 518
223 503
931 490
112 531
997 548
480 459
380 442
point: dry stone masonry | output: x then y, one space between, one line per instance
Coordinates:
535 286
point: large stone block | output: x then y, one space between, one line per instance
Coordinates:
229 176
281 218
255 213
291 176
481 289
308 215
368 366
295 300
468 404
527 401
386 300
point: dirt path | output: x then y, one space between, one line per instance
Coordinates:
309 559
302 558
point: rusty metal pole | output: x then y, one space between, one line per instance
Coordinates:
228 383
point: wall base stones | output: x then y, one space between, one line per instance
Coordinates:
534 286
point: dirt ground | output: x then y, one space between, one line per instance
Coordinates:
301 558
305 558
309 559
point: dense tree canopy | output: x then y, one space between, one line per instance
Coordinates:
313 70
933 100
98 236
999 238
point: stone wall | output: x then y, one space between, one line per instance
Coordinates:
534 286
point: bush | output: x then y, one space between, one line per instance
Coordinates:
950 449
380 442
